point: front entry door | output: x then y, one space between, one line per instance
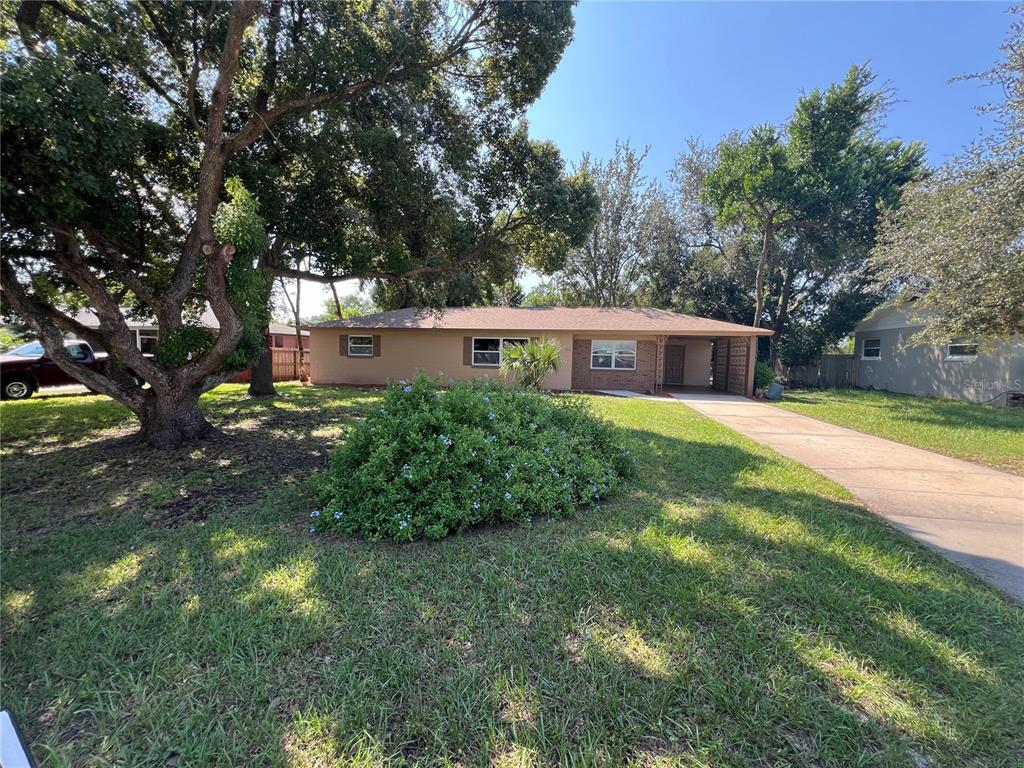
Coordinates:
675 357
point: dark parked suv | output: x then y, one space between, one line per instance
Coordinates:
26 369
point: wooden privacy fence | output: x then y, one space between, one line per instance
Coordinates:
285 364
827 372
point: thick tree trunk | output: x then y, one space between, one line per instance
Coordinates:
261 375
781 320
171 420
762 264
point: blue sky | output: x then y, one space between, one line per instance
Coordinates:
659 72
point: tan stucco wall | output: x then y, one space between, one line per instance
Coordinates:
403 353
697 365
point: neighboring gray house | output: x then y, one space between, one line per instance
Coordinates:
960 369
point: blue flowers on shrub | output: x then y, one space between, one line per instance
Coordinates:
315 513
464 474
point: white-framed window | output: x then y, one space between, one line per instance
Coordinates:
617 355
489 350
148 341
961 350
360 346
871 349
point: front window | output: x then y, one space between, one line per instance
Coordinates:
490 351
959 350
619 355
360 346
32 349
872 349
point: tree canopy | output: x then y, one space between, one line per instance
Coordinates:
956 244
372 140
808 195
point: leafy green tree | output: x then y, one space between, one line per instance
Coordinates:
378 141
956 243
606 269
802 201
545 294
344 307
9 338
531 361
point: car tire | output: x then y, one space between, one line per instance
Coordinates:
16 388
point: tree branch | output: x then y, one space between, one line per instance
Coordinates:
50 324
119 340
211 169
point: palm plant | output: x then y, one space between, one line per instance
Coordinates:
531 361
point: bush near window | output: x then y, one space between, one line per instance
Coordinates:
432 459
529 363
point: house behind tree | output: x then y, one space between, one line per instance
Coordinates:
634 348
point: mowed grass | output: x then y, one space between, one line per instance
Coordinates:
982 433
730 608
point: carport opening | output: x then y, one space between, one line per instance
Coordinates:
687 364
707 364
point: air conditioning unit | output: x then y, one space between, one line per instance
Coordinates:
1015 399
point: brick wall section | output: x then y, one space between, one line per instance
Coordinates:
643 379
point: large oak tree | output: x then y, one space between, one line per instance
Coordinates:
160 156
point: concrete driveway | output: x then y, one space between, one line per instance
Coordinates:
972 514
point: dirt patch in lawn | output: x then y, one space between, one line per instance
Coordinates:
100 470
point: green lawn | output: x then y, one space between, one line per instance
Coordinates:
730 608
981 433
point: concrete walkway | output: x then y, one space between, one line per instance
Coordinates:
972 514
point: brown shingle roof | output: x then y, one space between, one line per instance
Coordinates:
610 319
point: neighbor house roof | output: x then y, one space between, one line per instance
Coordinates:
88 318
609 319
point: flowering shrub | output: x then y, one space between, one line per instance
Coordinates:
429 461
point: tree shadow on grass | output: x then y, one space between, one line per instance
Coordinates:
70 465
717 611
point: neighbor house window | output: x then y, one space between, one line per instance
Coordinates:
619 355
872 349
959 350
148 341
488 351
278 341
360 346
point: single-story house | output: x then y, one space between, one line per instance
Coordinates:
620 348
147 334
960 369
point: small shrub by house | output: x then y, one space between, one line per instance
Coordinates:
430 460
